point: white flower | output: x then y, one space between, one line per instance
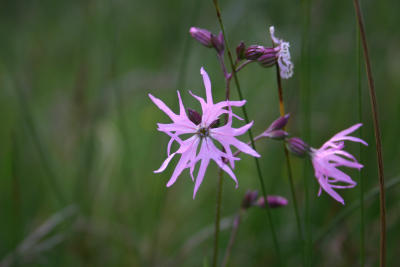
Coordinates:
284 61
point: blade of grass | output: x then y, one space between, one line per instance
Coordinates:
306 105
360 176
377 131
289 166
217 218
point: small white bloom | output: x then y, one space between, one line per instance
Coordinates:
284 61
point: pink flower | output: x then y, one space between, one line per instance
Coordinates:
204 133
329 157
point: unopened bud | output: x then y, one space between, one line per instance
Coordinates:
277 134
214 124
279 123
273 201
268 58
249 199
194 116
218 42
240 49
201 35
297 146
253 52
275 131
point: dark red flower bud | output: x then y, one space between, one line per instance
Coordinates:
249 199
253 52
275 131
297 146
194 116
240 50
279 123
214 124
268 58
273 201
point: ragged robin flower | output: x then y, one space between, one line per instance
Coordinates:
204 130
327 159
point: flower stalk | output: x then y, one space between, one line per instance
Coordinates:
378 142
251 199
288 164
259 173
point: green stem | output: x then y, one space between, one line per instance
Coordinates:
288 165
374 107
306 104
269 215
360 177
235 228
217 218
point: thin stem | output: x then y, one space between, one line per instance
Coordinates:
288 165
374 107
280 92
217 218
244 64
222 62
269 215
360 176
228 77
306 104
235 228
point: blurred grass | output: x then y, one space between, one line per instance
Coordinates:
85 69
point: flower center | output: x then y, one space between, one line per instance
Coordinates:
203 132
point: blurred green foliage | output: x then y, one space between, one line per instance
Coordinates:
77 128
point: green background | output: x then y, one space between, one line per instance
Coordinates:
78 130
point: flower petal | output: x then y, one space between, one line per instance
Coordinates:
161 105
200 176
207 85
165 163
188 151
330 191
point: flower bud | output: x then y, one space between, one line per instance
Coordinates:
268 58
297 146
277 134
194 116
249 199
275 131
253 52
218 42
214 124
273 201
240 49
279 123
202 36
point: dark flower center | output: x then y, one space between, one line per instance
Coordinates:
203 132
195 117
